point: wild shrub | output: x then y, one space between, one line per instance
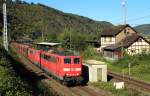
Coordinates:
10 83
139 65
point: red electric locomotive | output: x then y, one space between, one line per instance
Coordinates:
64 66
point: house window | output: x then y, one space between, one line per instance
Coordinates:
132 51
104 39
143 50
140 40
108 54
110 39
126 31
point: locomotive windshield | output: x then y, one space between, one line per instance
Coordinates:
67 61
76 60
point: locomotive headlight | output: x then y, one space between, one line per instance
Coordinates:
77 69
66 69
67 74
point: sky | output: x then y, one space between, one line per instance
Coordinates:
138 11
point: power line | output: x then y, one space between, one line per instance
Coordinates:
139 18
136 19
124 13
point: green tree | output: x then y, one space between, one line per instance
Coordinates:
72 39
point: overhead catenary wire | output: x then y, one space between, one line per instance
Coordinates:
124 13
136 19
133 19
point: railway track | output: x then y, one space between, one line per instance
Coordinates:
89 91
130 81
92 91
59 89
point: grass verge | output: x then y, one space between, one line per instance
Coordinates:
121 92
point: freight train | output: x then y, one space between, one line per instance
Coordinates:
66 68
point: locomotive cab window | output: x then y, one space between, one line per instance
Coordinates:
76 60
67 61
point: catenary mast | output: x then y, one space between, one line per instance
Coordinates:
124 11
5 39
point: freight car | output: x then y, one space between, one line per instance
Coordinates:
65 67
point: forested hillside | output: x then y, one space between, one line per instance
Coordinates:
143 29
31 20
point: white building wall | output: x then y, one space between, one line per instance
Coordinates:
90 73
93 72
106 41
138 47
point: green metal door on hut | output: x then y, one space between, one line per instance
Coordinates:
99 74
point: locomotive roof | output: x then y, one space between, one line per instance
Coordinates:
48 44
65 52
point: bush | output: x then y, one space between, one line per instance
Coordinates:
91 53
139 66
10 83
